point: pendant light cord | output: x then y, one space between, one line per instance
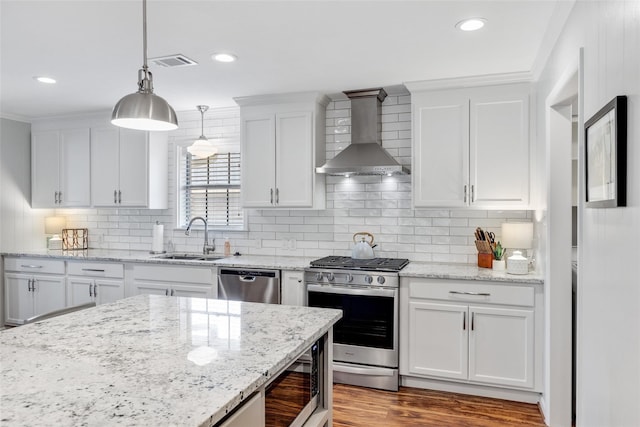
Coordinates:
145 79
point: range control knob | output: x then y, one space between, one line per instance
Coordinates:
381 279
349 278
330 277
318 276
368 279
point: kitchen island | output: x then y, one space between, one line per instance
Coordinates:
153 360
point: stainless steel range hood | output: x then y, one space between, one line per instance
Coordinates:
365 155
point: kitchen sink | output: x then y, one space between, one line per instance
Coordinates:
188 257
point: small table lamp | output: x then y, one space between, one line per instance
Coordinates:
517 236
53 225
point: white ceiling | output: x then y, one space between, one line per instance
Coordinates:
94 48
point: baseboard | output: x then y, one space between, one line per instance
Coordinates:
472 389
543 409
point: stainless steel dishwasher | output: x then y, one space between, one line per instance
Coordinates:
249 285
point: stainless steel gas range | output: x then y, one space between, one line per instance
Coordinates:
365 350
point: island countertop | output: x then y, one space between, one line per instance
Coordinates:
150 360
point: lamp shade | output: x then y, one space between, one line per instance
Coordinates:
517 235
202 148
54 224
144 111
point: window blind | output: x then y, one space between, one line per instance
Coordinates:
211 189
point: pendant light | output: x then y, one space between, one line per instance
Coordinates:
143 110
202 147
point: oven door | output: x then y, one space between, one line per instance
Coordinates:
368 331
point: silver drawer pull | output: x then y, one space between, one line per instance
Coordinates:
477 294
94 270
30 266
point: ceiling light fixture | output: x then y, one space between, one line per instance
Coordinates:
143 110
224 57
43 79
202 147
471 24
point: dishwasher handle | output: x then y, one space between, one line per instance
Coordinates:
247 278
250 273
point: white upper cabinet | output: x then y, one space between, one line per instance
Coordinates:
60 168
129 168
471 147
282 143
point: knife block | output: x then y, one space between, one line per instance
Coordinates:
485 260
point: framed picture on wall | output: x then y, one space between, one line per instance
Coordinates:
605 137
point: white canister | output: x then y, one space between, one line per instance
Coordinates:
517 264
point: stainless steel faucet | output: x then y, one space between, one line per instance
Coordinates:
206 248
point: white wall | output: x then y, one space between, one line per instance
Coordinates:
609 268
21 228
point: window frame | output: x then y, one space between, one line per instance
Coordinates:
180 188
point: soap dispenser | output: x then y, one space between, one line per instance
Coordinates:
227 247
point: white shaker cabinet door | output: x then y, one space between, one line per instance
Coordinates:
75 175
499 144
294 291
105 181
195 291
441 150
294 160
48 294
80 290
108 290
19 299
501 346
438 340
45 169
134 167
258 161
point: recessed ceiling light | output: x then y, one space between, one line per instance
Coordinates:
43 79
224 57
471 24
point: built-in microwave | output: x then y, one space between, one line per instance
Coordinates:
293 396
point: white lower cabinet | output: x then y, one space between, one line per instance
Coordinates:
180 281
479 333
32 287
94 282
293 290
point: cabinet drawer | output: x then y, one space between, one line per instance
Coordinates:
34 265
472 292
177 274
96 269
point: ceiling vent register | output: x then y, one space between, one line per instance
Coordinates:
172 61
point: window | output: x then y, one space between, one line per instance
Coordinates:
210 188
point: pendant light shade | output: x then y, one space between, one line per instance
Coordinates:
202 147
143 110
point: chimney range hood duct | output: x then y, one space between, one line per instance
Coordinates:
365 155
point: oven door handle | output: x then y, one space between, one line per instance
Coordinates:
352 291
381 372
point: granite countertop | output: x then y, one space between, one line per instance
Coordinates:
467 272
414 269
149 360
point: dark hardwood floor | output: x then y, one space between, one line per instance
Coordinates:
411 407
